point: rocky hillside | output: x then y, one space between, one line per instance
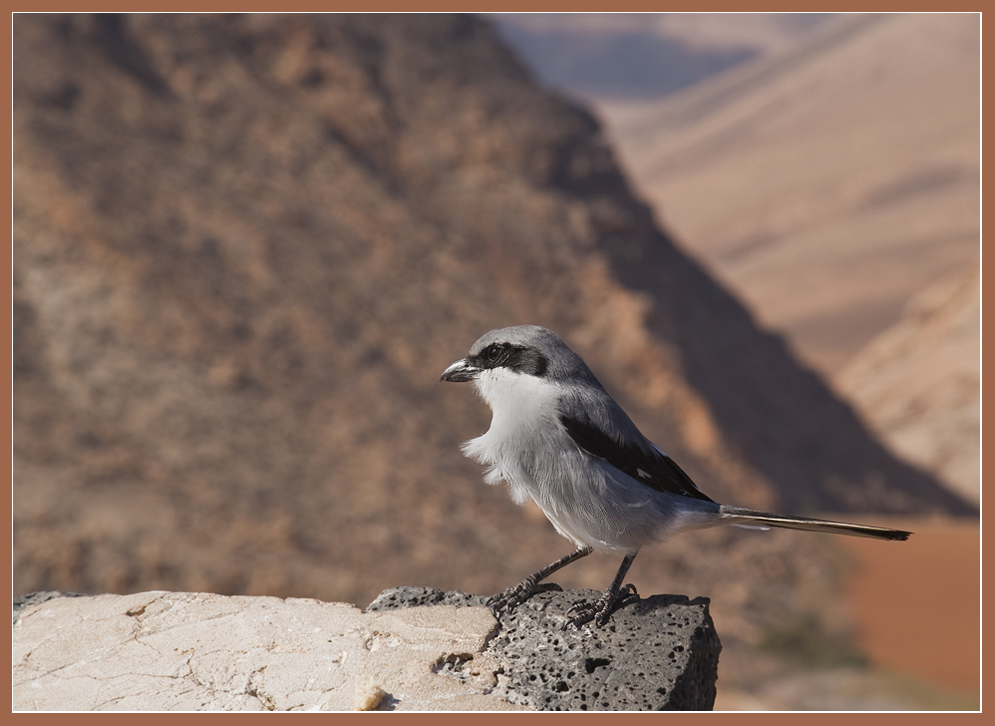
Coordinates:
827 183
919 382
246 246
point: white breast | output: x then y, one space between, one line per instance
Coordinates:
524 430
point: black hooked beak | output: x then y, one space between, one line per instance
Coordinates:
459 372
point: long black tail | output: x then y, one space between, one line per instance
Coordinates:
748 517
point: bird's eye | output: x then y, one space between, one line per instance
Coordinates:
492 352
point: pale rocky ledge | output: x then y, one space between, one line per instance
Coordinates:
412 649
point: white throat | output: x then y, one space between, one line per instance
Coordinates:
524 409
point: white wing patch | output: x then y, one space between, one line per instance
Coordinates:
757 527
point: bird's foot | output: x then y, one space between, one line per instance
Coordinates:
600 610
514 596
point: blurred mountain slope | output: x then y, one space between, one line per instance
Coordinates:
829 182
920 380
602 56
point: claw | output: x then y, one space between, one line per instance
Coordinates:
578 606
600 611
513 596
583 619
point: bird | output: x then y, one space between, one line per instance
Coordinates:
557 438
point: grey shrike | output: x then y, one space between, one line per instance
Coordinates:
558 438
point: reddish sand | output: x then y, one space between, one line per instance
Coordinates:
918 603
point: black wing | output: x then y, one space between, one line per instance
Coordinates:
652 468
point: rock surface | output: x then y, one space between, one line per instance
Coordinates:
412 649
193 651
656 654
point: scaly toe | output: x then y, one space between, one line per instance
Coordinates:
512 597
601 610
586 613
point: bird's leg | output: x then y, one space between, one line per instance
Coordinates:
517 594
612 598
